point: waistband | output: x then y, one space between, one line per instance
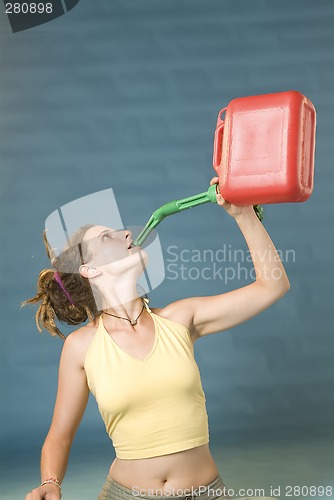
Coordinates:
214 489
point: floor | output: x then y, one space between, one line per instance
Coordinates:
275 469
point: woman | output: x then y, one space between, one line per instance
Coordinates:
139 362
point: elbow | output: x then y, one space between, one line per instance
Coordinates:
281 284
277 289
286 287
285 283
283 287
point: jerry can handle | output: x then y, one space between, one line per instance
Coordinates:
218 139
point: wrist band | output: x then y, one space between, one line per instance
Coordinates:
52 480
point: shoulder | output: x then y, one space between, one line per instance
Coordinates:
78 342
180 311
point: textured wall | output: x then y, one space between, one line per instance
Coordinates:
125 94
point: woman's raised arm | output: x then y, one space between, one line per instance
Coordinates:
210 314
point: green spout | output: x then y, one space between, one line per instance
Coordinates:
177 206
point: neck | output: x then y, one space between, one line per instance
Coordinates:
129 310
116 296
132 321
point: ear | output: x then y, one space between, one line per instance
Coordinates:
89 272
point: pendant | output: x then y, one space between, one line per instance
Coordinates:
133 322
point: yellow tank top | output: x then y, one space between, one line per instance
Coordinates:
154 406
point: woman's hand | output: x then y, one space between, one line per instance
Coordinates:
234 210
46 492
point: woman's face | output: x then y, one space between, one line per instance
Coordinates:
108 246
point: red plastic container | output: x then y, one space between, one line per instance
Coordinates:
264 149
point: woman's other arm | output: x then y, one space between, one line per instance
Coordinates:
71 402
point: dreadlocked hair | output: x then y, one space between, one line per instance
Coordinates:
54 302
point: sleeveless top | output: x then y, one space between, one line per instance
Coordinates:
154 406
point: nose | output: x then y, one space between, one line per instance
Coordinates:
122 233
127 233
127 236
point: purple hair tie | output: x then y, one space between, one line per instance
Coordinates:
60 283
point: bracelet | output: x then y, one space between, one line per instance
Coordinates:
52 480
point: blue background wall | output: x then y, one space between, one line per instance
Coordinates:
125 94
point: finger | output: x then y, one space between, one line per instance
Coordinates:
52 495
33 495
220 199
214 180
222 202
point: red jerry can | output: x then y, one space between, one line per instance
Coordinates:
264 149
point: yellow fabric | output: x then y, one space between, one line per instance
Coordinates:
154 406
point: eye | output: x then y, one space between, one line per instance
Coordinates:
107 236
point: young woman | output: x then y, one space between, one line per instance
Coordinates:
139 363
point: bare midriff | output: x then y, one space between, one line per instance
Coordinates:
179 471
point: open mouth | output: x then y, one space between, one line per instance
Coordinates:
132 246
